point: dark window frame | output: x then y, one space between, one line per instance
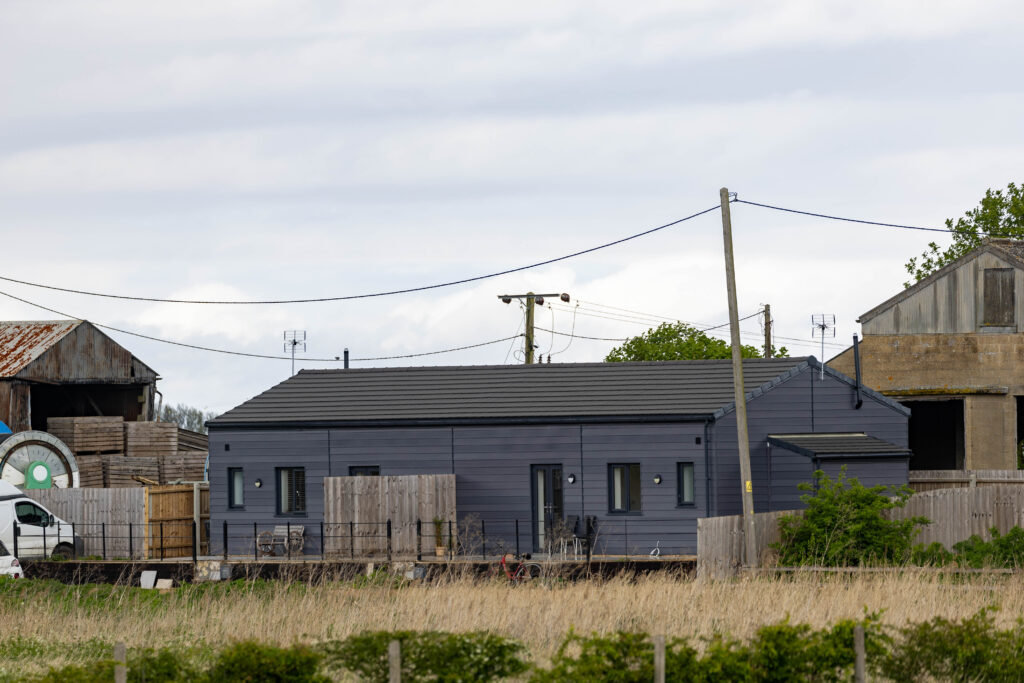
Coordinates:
364 470
627 508
232 471
298 500
681 501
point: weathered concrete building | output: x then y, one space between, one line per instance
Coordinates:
68 368
951 349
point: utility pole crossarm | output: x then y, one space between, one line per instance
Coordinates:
531 301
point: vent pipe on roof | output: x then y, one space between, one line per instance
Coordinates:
346 359
856 365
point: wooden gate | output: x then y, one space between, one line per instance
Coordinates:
357 510
169 514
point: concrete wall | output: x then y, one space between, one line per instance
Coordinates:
986 370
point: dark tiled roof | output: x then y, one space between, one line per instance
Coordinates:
825 445
506 392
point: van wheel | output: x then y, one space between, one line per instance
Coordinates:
63 551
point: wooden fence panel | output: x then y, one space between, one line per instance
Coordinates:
169 512
931 480
96 513
955 513
365 504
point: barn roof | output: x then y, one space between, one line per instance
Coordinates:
1011 251
22 341
700 389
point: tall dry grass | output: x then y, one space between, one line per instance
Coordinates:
538 615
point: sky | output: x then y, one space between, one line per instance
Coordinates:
265 150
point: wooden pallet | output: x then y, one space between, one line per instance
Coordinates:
89 435
192 441
92 471
185 466
120 470
150 439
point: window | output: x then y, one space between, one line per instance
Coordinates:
31 514
684 484
624 488
291 490
364 471
236 487
998 297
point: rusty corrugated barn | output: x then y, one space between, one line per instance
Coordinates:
69 368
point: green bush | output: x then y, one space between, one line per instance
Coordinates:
968 650
620 658
429 656
250 662
844 525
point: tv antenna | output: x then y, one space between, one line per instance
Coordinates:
823 326
293 339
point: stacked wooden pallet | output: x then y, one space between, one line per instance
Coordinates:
121 471
150 439
192 441
187 465
92 471
89 435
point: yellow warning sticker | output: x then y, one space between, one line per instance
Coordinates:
750 487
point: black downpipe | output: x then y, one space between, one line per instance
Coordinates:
707 471
856 365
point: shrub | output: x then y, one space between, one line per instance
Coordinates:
621 657
250 662
844 525
429 656
968 650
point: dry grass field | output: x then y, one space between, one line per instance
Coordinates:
57 624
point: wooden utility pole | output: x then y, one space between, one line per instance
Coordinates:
743 440
531 299
767 331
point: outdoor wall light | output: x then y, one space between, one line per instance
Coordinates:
571 479
657 478
258 483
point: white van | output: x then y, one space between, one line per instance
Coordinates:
29 530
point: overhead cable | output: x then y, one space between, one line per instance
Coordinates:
371 295
840 218
255 355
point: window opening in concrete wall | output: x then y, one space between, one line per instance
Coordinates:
998 303
936 434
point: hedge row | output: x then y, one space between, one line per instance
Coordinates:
939 649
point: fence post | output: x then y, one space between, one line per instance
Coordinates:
659 659
323 548
419 540
120 670
451 542
352 540
860 655
483 541
74 552
394 662
103 534
131 542
163 547
389 538
255 542
44 540
195 549
225 539
517 537
288 539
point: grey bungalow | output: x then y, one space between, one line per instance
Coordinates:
644 449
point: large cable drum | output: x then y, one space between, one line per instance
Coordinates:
37 460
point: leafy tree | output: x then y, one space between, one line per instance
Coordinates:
1000 214
186 417
679 341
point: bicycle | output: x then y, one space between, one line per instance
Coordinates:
519 571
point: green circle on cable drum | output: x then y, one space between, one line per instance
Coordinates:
37 476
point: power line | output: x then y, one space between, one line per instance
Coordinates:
840 218
580 336
255 355
373 294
